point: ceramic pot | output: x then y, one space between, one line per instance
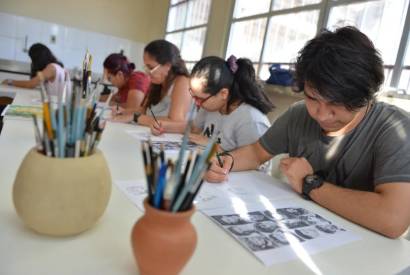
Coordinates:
163 241
61 196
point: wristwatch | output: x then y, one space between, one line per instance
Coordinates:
136 116
311 182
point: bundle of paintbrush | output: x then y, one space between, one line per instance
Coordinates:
73 126
171 186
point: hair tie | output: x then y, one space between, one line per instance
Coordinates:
232 65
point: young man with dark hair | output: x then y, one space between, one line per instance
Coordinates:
347 152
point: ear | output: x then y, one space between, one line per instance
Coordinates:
224 93
167 67
119 74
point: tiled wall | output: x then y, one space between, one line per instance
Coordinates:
69 46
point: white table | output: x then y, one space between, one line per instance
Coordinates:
106 249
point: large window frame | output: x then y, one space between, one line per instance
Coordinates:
185 29
393 72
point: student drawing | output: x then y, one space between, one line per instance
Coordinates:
257 216
45 67
327 228
232 104
291 212
168 98
132 85
313 219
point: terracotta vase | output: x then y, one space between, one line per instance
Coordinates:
163 241
61 197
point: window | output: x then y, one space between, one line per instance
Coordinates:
273 31
186 27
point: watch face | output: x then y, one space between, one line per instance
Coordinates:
311 179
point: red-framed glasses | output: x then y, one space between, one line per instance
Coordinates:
198 100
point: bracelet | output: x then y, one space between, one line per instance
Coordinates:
226 153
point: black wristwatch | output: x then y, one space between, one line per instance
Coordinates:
136 116
311 182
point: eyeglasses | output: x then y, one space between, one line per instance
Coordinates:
151 71
198 100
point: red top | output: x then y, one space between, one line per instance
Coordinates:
137 81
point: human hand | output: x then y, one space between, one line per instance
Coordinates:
295 169
216 173
198 139
157 128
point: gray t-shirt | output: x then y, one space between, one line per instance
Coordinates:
241 127
376 151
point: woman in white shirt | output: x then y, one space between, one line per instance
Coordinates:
44 67
168 97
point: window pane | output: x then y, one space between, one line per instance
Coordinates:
246 39
287 34
407 57
175 38
176 17
192 44
287 4
246 8
404 82
198 12
382 21
173 2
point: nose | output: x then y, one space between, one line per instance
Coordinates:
323 113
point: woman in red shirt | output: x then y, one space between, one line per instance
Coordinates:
132 85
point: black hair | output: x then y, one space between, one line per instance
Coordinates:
41 56
164 52
343 66
242 84
116 62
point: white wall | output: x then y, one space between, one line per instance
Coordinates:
70 44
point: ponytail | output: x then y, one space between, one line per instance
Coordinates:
236 75
246 88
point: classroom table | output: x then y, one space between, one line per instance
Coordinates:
106 248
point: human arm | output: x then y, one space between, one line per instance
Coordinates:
48 73
134 100
248 157
386 210
180 100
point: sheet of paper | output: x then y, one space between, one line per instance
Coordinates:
279 231
248 187
171 142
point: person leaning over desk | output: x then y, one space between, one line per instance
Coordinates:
168 98
44 67
348 152
132 85
232 104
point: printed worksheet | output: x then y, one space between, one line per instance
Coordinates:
278 231
171 142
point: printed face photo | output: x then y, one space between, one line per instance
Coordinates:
258 242
229 219
296 223
307 233
313 219
282 237
266 226
327 228
257 216
242 230
291 212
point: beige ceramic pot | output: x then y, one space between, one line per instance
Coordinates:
61 197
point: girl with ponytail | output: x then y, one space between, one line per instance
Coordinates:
132 85
232 104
